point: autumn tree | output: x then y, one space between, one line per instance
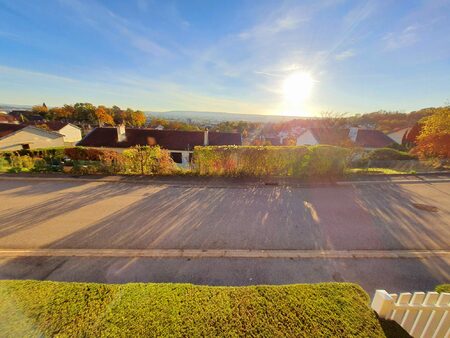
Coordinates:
103 117
41 110
434 137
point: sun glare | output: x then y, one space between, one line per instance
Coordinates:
297 87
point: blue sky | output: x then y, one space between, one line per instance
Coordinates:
228 56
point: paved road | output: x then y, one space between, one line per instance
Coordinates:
101 216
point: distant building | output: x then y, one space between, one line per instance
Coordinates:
20 136
180 144
5 118
364 138
71 132
398 134
26 116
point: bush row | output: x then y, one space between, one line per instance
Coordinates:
137 160
297 161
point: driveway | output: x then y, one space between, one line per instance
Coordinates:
57 215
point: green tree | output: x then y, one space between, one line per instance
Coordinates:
85 112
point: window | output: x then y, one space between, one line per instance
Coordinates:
25 146
176 157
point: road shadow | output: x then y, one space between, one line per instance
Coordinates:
30 215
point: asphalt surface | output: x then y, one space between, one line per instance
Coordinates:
107 216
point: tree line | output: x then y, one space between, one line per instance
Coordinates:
87 113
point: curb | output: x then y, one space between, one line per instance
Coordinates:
224 183
223 253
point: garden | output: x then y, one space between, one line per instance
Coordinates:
303 162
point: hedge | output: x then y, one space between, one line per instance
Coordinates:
388 154
443 288
297 161
35 308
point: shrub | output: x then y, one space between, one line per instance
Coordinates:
19 163
3 163
299 161
47 154
84 154
443 288
325 161
48 309
86 167
40 165
147 160
433 146
388 154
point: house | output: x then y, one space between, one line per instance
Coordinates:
5 118
180 144
331 136
364 138
20 136
71 132
398 134
26 116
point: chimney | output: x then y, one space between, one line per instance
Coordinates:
205 137
353 133
121 136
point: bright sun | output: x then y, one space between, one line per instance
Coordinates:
297 87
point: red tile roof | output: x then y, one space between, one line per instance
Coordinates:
167 139
7 128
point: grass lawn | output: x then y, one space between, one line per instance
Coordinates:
34 308
376 171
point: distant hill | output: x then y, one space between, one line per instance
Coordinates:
216 117
9 107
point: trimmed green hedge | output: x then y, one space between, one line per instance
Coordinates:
443 288
388 154
33 308
298 161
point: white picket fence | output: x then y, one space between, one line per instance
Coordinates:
421 314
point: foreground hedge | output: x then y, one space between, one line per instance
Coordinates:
298 161
443 288
388 154
32 308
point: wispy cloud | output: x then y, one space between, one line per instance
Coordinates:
405 38
267 29
346 54
113 25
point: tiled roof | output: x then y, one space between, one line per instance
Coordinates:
5 118
366 138
6 128
369 138
52 125
167 139
331 136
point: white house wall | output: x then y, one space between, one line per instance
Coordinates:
33 137
71 133
307 138
398 135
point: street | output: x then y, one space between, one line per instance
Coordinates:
180 233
